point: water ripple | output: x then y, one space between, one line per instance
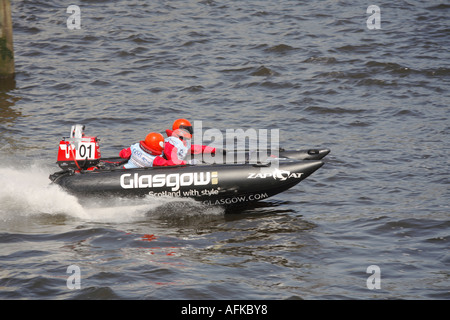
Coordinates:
378 98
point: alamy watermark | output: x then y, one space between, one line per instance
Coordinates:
374 280
238 145
74 280
372 22
74 20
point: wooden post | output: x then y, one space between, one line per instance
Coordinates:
6 41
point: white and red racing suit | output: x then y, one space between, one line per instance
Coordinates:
140 157
176 150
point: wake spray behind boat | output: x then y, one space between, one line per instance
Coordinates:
85 173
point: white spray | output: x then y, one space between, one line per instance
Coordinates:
27 192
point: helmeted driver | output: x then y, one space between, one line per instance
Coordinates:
178 143
147 153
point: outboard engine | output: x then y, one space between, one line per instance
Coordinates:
78 151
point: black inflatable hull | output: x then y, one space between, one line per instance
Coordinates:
220 184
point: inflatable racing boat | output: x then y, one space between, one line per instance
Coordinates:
233 178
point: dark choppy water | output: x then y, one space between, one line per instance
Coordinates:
378 98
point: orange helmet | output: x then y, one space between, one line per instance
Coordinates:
154 142
182 124
183 135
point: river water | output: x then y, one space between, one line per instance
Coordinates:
315 70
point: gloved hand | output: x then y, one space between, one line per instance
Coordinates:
125 153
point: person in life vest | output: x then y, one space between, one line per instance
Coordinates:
147 153
178 142
177 146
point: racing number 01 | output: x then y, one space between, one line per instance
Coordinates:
85 150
